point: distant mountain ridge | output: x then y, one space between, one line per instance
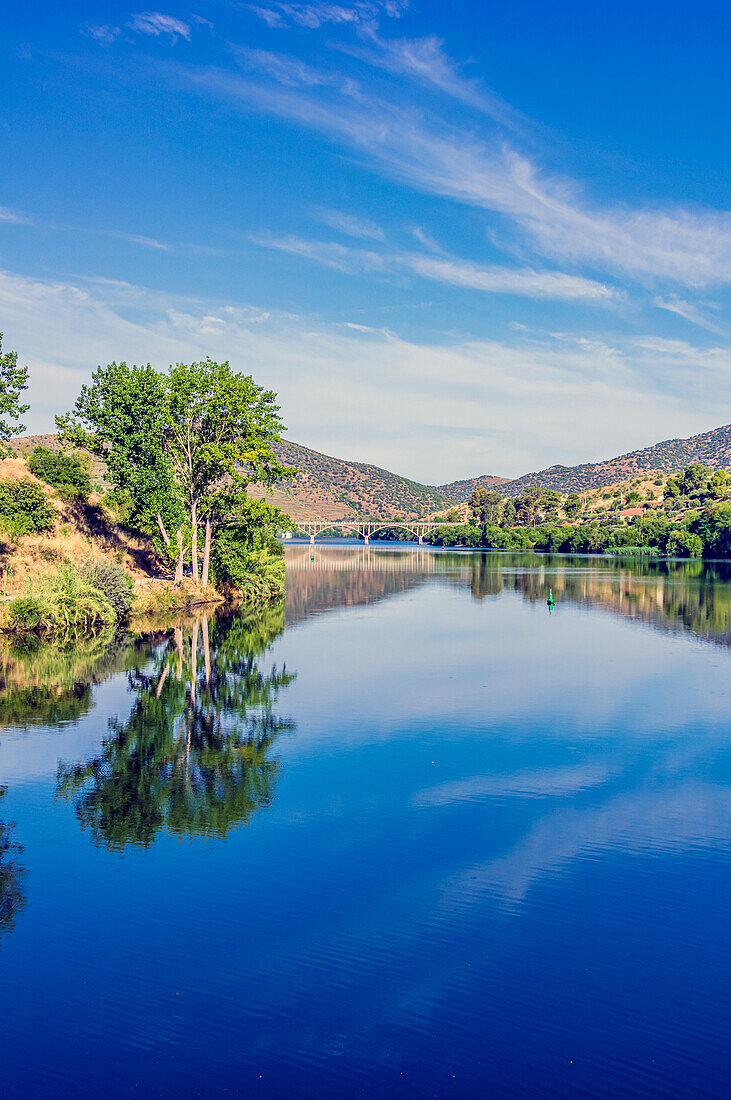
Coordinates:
462 490
333 488
710 448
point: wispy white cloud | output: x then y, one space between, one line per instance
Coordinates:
425 61
692 312
291 72
504 280
508 407
351 225
104 34
321 12
494 279
146 242
155 23
552 212
427 240
14 217
328 253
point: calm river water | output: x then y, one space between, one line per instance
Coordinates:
414 835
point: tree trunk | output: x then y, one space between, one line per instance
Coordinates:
193 661
206 553
194 540
206 648
179 566
163 532
179 644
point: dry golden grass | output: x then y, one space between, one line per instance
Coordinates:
158 597
79 532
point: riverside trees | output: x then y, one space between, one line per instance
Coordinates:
182 446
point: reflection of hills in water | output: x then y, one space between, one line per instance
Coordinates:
348 576
693 595
672 596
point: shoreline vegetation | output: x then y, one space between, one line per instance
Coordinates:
146 510
682 515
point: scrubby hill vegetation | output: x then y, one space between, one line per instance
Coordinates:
336 489
710 449
463 490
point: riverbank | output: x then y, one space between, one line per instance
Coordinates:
70 568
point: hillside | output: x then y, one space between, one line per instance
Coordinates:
710 448
332 488
462 490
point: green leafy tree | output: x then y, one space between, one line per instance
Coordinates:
183 446
572 505
13 381
121 418
527 506
719 484
486 507
509 513
695 477
66 472
221 427
24 508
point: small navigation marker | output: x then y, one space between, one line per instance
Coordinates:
550 601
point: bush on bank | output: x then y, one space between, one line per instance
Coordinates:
66 472
61 603
24 508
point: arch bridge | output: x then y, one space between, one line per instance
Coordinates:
366 529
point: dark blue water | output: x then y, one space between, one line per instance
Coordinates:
429 840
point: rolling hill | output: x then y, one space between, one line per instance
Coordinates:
325 487
711 448
332 488
462 490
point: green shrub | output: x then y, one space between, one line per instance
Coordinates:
24 508
110 579
66 472
62 603
26 613
248 556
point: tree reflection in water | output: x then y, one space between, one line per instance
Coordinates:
12 898
192 757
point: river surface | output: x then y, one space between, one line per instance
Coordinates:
414 834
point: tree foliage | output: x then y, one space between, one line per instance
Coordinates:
66 472
183 445
13 381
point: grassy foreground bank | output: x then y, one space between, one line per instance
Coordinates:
71 567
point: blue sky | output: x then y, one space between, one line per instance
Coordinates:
455 238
